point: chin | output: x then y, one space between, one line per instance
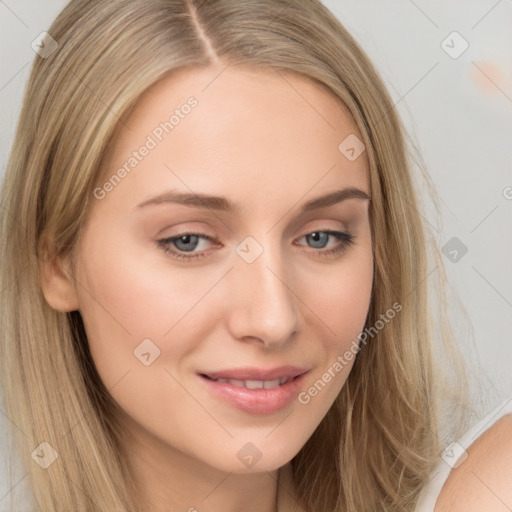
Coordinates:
247 457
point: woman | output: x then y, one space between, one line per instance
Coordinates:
221 269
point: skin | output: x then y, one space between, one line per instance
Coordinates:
482 481
269 143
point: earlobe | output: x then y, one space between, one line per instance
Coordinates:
56 279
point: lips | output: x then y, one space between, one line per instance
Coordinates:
256 390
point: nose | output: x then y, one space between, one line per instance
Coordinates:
263 303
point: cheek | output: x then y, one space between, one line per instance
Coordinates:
343 300
341 304
124 299
127 308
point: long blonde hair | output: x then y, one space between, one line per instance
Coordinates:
383 435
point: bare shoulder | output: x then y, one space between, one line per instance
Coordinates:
483 481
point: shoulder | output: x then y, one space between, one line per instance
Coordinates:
482 481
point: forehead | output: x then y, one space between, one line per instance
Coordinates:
242 81
248 126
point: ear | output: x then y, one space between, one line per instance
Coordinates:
56 278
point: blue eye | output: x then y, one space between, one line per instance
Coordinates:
321 238
188 243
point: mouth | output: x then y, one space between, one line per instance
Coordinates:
253 384
253 390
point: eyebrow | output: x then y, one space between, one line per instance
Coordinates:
220 203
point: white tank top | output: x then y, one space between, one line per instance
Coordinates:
455 454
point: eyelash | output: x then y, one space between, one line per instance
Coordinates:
347 240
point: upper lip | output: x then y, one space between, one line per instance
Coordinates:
252 373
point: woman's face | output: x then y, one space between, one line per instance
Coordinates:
259 294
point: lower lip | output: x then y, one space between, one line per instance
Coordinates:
256 401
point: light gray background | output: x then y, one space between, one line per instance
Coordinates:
459 112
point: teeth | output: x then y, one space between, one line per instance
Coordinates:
255 384
269 384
